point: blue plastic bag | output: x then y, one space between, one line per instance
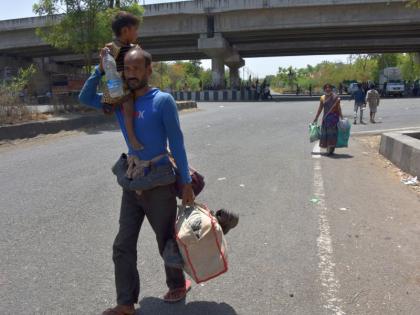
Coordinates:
314 132
343 135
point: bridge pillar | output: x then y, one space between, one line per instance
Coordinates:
234 62
218 72
221 53
235 80
217 48
417 58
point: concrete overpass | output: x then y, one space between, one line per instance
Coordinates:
228 30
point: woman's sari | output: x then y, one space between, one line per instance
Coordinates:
330 119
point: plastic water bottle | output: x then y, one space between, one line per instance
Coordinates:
113 79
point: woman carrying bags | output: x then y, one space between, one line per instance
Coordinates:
330 105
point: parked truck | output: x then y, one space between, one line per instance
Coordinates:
390 82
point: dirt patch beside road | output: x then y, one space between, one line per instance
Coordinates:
371 144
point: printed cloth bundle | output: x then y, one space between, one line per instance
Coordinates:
137 175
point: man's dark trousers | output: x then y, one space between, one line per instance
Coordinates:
159 206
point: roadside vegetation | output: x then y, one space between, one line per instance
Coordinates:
12 98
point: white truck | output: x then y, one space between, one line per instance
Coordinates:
390 82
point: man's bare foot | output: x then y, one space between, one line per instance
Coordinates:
176 295
120 310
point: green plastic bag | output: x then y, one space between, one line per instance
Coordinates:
343 137
314 132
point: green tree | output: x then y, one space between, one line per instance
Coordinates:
206 78
193 68
413 3
410 70
82 26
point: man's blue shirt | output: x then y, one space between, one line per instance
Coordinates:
156 123
359 96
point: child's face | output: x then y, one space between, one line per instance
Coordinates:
129 34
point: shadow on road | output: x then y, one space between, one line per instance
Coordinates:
154 306
341 156
334 156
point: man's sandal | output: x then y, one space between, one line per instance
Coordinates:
178 294
120 310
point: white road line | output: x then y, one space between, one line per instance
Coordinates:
330 285
316 151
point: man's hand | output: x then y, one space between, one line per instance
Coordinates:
102 54
188 195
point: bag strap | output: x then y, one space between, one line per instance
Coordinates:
331 109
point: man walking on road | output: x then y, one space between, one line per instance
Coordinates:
372 98
359 103
156 123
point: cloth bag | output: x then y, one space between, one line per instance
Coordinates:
314 132
197 183
201 243
343 134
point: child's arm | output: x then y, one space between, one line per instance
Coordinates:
128 107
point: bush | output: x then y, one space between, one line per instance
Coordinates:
12 107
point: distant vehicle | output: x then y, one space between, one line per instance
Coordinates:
353 87
390 82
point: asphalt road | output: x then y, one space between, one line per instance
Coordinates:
59 207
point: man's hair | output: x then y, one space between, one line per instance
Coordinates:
124 19
359 85
144 54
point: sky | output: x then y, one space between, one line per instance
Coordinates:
256 67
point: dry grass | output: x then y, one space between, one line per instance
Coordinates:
17 114
13 110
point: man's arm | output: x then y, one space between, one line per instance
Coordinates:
176 144
88 95
175 137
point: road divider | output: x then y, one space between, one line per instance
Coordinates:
403 149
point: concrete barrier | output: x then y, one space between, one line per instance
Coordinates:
65 123
241 96
402 149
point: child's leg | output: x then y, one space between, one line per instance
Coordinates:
129 124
